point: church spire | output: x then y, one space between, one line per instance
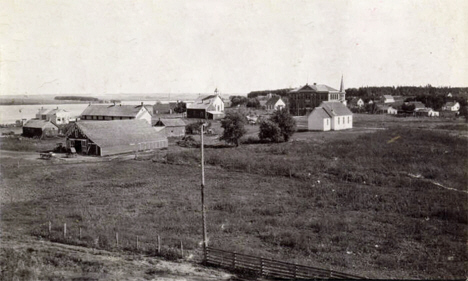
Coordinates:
342 84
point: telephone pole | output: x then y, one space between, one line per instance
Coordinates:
205 245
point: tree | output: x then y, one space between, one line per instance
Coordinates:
181 107
269 130
285 122
253 102
233 125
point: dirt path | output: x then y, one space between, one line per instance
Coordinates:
27 258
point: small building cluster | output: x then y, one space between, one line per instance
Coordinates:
206 107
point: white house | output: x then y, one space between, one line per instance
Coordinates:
451 106
330 115
387 99
356 102
275 103
56 116
116 112
391 110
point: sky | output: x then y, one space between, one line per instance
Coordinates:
151 46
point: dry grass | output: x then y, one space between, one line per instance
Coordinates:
341 204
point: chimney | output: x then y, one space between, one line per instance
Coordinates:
120 104
114 103
315 83
141 103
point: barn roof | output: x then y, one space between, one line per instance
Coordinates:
173 122
112 110
39 124
118 133
335 108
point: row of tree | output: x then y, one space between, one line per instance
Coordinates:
279 127
245 101
76 98
375 92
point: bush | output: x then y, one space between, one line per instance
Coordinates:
269 131
285 122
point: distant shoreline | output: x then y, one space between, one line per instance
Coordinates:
42 102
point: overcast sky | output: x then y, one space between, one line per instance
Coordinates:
98 46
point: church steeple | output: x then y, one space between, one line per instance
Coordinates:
342 84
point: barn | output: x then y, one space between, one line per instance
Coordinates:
115 137
39 128
175 127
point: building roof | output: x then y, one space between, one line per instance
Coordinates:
46 111
39 124
118 110
149 108
451 103
272 101
355 100
335 108
321 112
173 122
417 104
426 109
388 97
109 134
315 88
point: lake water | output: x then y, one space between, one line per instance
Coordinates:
10 113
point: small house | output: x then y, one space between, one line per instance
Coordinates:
330 115
275 103
356 102
387 99
175 127
57 116
116 112
115 137
35 128
451 106
426 112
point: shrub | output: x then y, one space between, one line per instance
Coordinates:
269 131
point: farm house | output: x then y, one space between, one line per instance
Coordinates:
174 127
39 128
115 137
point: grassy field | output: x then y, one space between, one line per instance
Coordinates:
383 204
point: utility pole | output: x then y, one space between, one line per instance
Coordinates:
203 194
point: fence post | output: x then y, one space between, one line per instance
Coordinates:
261 266
80 233
65 230
159 244
181 249
234 260
117 238
50 229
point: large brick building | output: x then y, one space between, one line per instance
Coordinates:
304 99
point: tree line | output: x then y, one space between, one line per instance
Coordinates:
78 98
375 92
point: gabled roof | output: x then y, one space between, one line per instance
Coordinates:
149 108
314 88
335 108
174 122
417 104
388 97
451 103
321 112
46 111
117 133
39 124
272 101
112 110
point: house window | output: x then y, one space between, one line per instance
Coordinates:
327 121
348 119
338 120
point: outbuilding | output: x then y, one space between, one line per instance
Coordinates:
115 137
175 127
39 129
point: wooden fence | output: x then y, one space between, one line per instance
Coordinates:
268 267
